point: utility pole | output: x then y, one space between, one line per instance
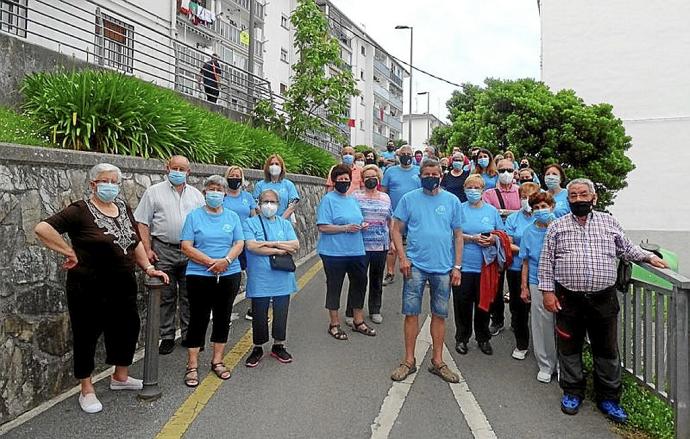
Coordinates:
250 58
409 129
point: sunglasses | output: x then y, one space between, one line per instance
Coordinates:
511 170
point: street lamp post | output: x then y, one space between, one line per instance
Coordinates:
409 129
428 112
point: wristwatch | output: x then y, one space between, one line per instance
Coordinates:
229 260
458 267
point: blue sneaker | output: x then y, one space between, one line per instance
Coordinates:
613 411
570 404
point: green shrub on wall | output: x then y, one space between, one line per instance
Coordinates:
112 113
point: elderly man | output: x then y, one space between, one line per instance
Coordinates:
348 158
432 218
577 273
397 181
161 214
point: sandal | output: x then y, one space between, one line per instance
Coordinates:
191 377
362 328
444 372
220 371
337 332
403 371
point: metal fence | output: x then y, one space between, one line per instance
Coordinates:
655 343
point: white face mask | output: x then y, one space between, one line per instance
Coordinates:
525 205
274 170
505 177
269 209
359 163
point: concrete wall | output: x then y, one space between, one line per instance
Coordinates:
35 339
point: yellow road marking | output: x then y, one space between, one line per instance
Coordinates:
180 422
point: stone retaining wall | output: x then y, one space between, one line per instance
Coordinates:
35 339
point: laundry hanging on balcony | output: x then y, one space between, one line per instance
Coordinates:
197 13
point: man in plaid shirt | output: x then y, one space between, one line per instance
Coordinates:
577 274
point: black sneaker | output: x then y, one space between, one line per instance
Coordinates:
255 357
249 315
461 347
485 347
388 279
166 347
279 353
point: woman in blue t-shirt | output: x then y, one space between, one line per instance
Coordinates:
554 178
268 234
341 247
486 167
543 326
274 178
212 239
479 220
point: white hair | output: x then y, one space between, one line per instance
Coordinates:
266 191
104 167
216 180
584 181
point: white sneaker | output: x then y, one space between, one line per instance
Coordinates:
350 321
519 354
130 384
376 318
89 403
544 377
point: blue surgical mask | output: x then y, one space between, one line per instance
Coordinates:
214 199
483 162
348 159
543 216
552 181
107 192
177 178
457 165
473 195
430 183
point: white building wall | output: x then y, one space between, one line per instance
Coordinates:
278 37
420 122
635 55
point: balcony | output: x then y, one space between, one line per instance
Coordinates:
396 80
259 8
382 67
391 121
382 92
380 140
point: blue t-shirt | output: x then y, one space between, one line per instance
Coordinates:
530 249
399 181
516 224
430 221
477 220
489 181
285 188
243 204
338 209
562 205
213 235
262 281
388 155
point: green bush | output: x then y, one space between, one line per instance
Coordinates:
20 129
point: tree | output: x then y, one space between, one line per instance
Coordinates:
322 84
526 117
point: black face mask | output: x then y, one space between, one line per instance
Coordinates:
405 160
370 162
234 183
526 181
524 165
444 168
371 183
390 148
342 186
581 208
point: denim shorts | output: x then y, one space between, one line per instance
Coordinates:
413 291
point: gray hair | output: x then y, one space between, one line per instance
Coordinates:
266 191
405 146
585 181
429 163
104 167
216 180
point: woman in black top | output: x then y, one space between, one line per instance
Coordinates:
454 180
101 287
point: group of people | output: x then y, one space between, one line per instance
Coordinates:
198 243
461 230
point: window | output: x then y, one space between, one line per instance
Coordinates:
283 89
364 51
13 17
361 124
361 99
361 75
284 55
114 43
284 22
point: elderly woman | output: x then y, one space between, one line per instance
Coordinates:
376 209
479 220
267 235
341 247
274 178
554 178
542 321
212 239
101 287
516 224
486 168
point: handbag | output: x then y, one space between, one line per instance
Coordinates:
279 262
623 275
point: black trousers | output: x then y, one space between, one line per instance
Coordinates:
212 93
102 303
465 303
206 294
376 264
497 310
519 310
594 314
336 267
260 318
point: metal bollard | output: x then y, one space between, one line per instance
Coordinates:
151 390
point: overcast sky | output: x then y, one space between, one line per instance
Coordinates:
460 40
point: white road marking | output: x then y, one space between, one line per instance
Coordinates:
392 404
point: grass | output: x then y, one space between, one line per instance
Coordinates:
20 129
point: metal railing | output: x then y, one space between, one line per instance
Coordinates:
654 340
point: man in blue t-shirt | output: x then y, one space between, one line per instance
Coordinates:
432 218
389 155
397 181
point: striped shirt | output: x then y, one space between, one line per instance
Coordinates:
377 212
164 209
584 258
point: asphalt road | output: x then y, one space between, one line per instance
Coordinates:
333 389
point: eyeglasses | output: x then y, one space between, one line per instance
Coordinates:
501 171
107 181
275 203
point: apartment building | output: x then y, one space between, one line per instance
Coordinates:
422 126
